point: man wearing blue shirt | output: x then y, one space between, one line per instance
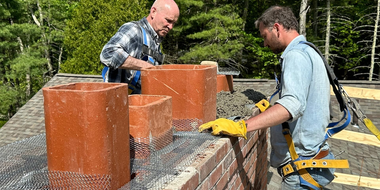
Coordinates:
302 106
304 97
124 52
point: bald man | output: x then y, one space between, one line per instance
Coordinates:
125 54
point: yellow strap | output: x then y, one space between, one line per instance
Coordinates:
303 164
368 123
289 141
292 150
307 177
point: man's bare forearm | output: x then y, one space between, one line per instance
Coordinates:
275 115
132 63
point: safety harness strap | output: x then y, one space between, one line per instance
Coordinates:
305 177
337 88
149 54
338 91
300 165
332 131
372 127
303 164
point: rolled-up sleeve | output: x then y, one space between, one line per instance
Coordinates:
122 45
296 75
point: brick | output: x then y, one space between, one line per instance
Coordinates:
233 140
233 168
223 181
222 150
229 158
243 177
204 165
254 178
237 182
232 179
242 142
187 180
215 175
204 185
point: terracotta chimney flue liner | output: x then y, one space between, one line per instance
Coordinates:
87 130
193 89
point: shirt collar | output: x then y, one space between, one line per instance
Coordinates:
151 31
293 43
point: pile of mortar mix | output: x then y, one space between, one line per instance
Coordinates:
230 104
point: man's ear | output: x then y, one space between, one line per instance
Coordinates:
278 28
153 12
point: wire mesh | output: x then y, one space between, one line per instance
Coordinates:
186 124
23 164
227 71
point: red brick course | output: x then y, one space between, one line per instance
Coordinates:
231 163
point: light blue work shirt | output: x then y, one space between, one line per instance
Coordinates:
305 93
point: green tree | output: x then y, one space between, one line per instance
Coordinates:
92 25
263 62
222 31
220 40
30 31
345 50
11 47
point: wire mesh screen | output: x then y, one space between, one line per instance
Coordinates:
227 71
23 164
187 124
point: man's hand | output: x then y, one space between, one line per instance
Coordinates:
227 127
132 63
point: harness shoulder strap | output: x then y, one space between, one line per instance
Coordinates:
333 79
338 91
148 54
297 163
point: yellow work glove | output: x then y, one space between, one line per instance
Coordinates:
227 127
263 105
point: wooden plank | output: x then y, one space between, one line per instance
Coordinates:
358 181
357 137
365 93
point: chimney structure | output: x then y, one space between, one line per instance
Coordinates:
87 133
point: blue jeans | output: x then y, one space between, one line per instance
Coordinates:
323 176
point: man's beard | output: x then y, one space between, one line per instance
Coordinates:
277 48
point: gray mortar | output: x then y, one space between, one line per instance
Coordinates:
229 104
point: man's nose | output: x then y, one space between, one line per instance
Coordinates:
170 26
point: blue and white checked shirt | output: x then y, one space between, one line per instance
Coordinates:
128 41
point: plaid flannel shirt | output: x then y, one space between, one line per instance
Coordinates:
128 41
